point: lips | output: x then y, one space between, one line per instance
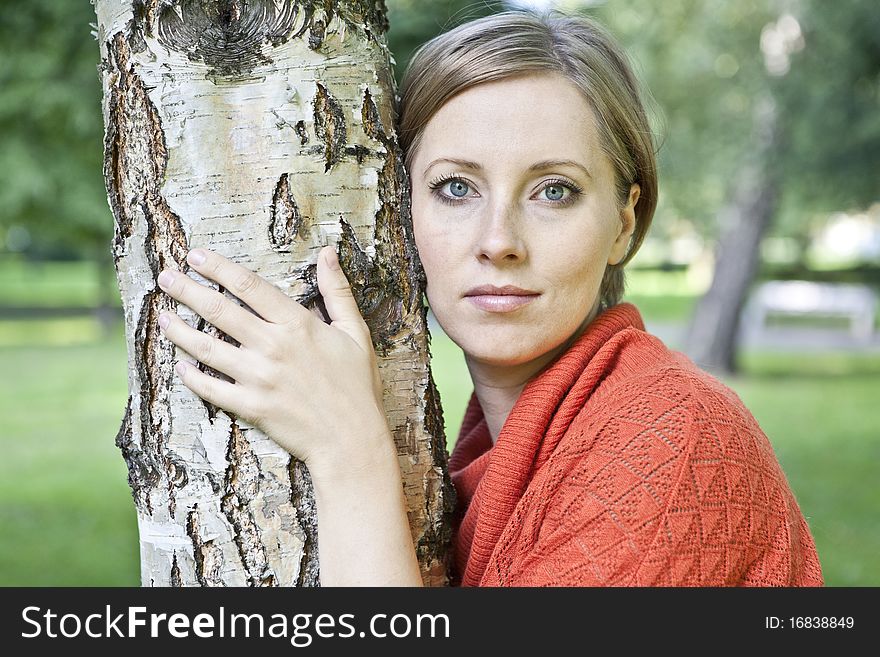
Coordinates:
493 299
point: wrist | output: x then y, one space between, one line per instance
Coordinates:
369 459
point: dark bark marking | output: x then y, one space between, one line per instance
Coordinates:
175 572
143 475
208 557
329 126
316 34
369 17
393 221
303 499
155 386
312 298
227 35
134 166
300 130
122 225
359 152
433 544
286 223
177 472
371 119
376 291
242 485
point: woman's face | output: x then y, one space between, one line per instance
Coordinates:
511 188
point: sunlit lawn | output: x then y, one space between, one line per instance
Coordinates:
67 518
66 514
54 284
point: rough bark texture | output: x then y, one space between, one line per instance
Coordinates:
714 329
262 129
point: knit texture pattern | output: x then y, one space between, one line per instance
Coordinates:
623 464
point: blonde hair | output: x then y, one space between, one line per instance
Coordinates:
520 41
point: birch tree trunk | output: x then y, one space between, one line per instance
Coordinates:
264 130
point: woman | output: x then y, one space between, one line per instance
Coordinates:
590 454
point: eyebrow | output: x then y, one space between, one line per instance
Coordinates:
537 166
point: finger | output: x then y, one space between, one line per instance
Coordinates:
205 348
338 298
265 299
211 389
220 311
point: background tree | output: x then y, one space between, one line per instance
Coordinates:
261 130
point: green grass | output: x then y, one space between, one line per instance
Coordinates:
66 514
662 296
57 333
53 284
453 382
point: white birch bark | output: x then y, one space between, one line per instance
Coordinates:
264 130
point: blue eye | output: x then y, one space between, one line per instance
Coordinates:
458 188
555 192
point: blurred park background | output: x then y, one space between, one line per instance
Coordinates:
769 116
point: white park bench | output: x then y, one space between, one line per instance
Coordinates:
857 303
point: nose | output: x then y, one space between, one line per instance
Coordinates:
500 239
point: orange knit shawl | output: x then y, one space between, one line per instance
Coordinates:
624 464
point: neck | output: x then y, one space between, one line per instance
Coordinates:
497 388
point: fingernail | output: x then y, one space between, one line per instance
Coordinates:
166 278
164 321
332 259
196 257
180 368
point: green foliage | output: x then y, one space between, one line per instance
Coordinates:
702 60
832 96
412 22
50 118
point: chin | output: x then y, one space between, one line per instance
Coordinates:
500 353
502 346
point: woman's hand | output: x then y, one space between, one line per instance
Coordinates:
313 388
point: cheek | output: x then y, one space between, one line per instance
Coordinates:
430 245
425 244
577 269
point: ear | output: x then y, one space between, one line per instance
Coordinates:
627 226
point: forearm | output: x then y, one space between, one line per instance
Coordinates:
363 533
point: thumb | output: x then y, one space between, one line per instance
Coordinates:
338 299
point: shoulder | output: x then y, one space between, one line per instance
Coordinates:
657 414
666 478
648 389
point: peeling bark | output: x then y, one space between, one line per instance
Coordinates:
287 222
264 130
